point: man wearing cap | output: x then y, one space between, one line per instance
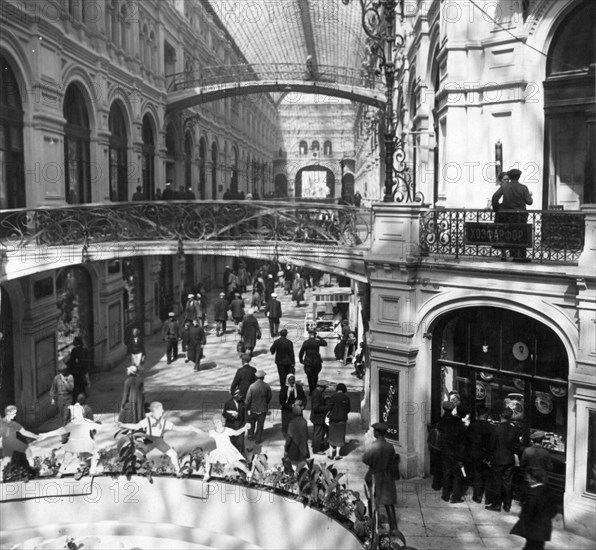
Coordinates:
235 416
61 390
283 349
536 461
250 331
220 314
192 310
289 394
513 207
319 407
380 457
171 335
273 313
310 357
257 405
269 287
169 193
244 376
479 437
452 438
196 341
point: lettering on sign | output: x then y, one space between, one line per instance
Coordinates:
511 235
389 402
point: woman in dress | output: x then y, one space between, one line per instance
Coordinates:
132 409
339 407
224 453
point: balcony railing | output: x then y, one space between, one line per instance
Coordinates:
545 236
267 221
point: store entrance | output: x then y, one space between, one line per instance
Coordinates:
494 358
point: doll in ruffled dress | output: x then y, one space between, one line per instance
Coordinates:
224 453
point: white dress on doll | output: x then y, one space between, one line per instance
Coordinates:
224 452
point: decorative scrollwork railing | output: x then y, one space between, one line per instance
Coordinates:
231 74
545 236
178 221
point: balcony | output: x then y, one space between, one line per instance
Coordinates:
545 237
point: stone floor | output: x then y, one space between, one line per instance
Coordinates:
189 397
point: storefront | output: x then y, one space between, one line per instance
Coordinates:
496 358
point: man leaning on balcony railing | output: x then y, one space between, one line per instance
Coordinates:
512 209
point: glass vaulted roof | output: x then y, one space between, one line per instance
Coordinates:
288 31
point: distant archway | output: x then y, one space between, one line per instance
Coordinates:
281 185
315 182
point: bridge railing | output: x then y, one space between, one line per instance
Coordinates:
230 74
267 221
541 236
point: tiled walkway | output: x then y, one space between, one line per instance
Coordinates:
426 521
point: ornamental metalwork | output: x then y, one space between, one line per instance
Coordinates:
180 221
545 236
236 74
383 44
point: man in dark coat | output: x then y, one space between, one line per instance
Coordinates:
452 433
78 366
169 193
235 415
237 308
132 407
535 519
283 349
196 341
513 207
310 357
220 314
269 287
504 445
379 458
250 331
536 461
273 313
479 452
318 413
171 335
296 446
289 394
244 376
192 310
258 398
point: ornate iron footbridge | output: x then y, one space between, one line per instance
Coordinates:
330 236
210 83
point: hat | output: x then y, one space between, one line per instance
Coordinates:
514 173
245 358
222 294
132 369
323 383
537 435
171 314
191 296
380 426
274 295
448 405
291 375
270 276
260 374
250 310
312 331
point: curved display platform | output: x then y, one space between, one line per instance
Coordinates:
168 513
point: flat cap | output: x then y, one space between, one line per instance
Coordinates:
380 426
260 374
448 405
245 358
171 314
538 435
323 383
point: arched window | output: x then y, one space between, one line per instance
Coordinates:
202 162
148 159
188 146
303 148
114 23
327 149
152 55
171 150
118 154
570 136
12 168
315 147
77 177
214 161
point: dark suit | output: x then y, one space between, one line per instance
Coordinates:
273 312
513 208
196 341
243 378
220 315
452 431
310 357
479 453
171 334
318 413
283 349
237 422
504 445
287 398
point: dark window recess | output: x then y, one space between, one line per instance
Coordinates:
42 288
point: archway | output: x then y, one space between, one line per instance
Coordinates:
12 165
281 185
315 182
118 154
347 188
489 358
570 125
148 158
